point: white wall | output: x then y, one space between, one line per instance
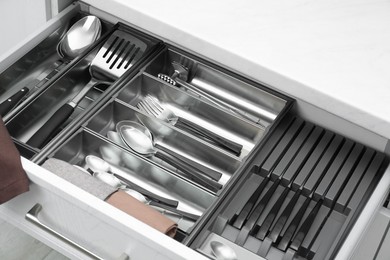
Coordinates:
19 18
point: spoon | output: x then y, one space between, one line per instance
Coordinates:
222 251
97 164
139 139
77 39
138 196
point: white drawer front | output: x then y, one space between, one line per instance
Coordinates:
92 224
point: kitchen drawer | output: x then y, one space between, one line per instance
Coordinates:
222 102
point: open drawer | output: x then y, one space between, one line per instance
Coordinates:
172 92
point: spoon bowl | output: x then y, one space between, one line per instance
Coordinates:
79 37
140 140
222 251
97 164
135 194
108 178
136 136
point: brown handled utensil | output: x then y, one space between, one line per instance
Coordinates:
119 53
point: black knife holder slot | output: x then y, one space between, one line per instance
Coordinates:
299 198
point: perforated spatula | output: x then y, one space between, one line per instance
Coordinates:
119 53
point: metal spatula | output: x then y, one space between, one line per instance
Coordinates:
119 53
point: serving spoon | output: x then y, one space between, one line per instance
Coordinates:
77 39
139 139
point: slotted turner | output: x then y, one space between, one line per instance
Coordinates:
119 53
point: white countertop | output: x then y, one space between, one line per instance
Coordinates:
333 54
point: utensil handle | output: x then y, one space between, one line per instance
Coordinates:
194 173
12 101
185 214
39 139
149 194
233 147
187 164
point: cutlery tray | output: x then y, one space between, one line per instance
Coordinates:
97 134
307 183
59 88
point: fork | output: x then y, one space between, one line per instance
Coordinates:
152 106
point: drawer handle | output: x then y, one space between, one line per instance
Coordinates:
32 216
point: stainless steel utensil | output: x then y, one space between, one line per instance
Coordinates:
152 106
202 89
139 139
137 195
97 164
222 251
117 55
77 39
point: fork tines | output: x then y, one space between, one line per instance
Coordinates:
150 105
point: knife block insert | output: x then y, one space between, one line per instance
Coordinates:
301 195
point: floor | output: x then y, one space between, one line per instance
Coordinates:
16 245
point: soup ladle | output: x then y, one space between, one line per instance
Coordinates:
139 139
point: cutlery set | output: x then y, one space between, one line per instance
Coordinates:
187 137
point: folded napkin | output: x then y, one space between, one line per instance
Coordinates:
111 195
142 212
77 177
13 179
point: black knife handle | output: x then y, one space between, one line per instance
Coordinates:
8 104
215 175
193 173
234 147
40 137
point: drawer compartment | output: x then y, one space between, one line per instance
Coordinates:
178 103
217 86
75 90
137 170
204 156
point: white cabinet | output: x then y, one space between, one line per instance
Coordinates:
23 17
